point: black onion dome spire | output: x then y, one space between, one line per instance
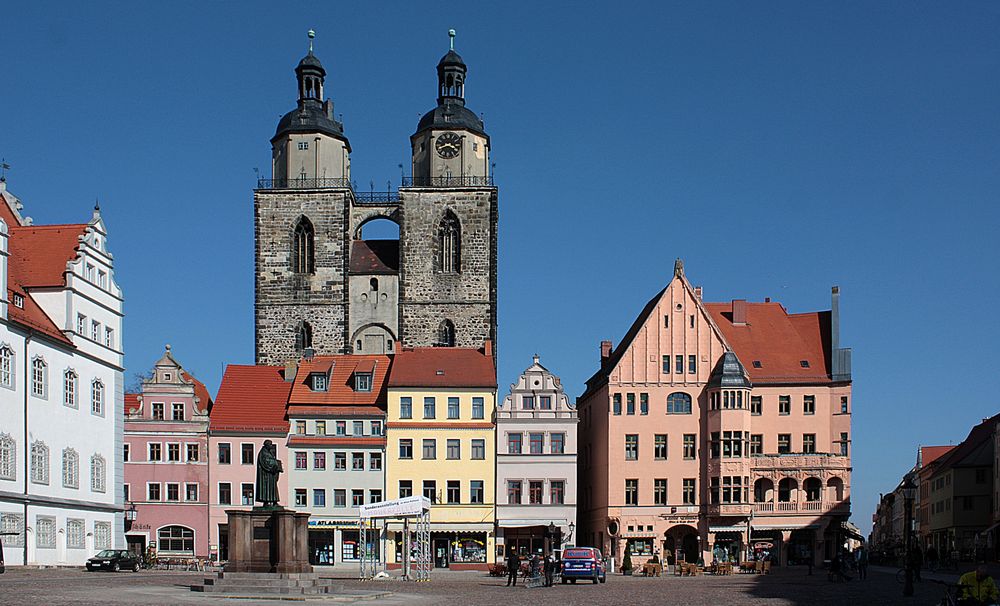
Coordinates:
451 112
314 114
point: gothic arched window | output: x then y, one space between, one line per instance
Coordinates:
39 463
446 334
450 242
303 336
303 249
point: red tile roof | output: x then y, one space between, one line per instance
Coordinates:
340 389
375 257
251 399
443 367
970 452
38 258
313 410
200 391
131 402
39 253
930 454
779 341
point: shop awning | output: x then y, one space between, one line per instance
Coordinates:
527 523
851 531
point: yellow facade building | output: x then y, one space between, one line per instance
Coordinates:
440 435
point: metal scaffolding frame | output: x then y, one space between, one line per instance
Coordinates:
417 563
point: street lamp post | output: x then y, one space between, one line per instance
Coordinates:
909 492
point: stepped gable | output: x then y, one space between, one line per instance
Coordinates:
251 398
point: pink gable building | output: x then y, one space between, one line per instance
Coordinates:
712 423
166 463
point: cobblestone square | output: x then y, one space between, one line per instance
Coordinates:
787 587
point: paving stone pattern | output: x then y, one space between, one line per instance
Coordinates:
787 587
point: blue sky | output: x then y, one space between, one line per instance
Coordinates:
779 148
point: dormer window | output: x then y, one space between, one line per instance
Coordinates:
166 376
757 364
804 363
319 382
363 381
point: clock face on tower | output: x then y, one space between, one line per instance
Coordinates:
448 145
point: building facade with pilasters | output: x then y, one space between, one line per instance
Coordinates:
61 390
536 465
714 423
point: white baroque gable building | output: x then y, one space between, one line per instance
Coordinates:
61 390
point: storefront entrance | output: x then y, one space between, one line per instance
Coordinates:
440 553
136 544
800 547
322 547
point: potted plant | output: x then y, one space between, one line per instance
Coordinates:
627 562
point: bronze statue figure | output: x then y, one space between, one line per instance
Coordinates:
268 468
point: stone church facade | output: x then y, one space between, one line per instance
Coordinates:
320 287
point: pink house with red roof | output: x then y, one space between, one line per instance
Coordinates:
714 422
166 463
60 389
249 409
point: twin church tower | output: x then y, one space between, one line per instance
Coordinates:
320 286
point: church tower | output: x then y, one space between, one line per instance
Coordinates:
301 224
448 234
321 287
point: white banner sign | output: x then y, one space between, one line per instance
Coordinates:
408 506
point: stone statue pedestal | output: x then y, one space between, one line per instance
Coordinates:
268 540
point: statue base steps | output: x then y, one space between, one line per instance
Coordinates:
253 584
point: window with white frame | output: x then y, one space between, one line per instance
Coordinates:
191 492
6 366
153 492
8 457
102 278
102 535
70 468
89 272
176 539
81 325
69 388
95 330
109 337
45 532
39 463
75 535
98 473
39 378
97 397
12 525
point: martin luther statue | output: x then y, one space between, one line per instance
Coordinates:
268 468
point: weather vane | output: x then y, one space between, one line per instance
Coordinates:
311 35
4 167
451 38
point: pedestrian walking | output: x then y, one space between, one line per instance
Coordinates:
513 567
862 558
549 568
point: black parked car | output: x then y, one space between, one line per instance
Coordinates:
114 560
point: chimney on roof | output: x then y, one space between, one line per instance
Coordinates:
308 353
740 312
488 348
291 367
605 351
697 292
767 299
